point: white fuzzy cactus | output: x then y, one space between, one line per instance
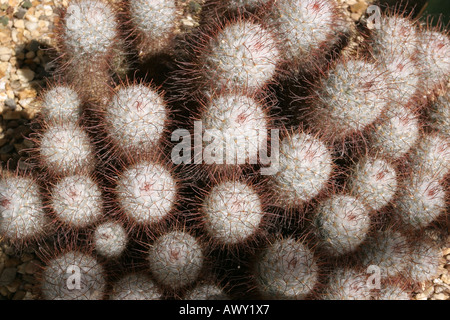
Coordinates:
431 157
21 210
396 132
77 201
233 212
351 97
342 223
237 125
135 119
374 181
347 284
387 250
395 44
90 27
66 149
305 167
73 275
242 56
434 57
424 262
176 259
110 239
287 269
155 21
61 103
420 201
146 192
135 287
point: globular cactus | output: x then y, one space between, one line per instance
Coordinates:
76 201
308 30
136 119
65 149
135 286
146 193
232 212
22 212
360 170
305 166
347 284
240 55
374 181
395 133
154 23
287 269
342 223
73 275
351 97
110 239
176 259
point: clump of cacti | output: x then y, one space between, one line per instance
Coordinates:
310 159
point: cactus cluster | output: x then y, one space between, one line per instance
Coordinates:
353 119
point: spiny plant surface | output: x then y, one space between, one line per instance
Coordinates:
347 127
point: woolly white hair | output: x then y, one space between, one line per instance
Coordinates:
135 287
66 149
353 96
342 223
90 27
347 284
375 181
305 166
77 200
176 259
73 276
136 118
206 291
396 134
21 210
237 125
61 103
242 56
232 212
303 25
286 270
146 192
110 239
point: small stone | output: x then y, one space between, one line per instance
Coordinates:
20 13
19 295
445 278
26 94
25 75
25 102
10 104
19 24
439 289
30 55
31 26
32 267
8 276
441 296
13 286
11 115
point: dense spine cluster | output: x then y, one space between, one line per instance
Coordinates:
353 123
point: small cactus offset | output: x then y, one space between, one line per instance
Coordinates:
273 151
